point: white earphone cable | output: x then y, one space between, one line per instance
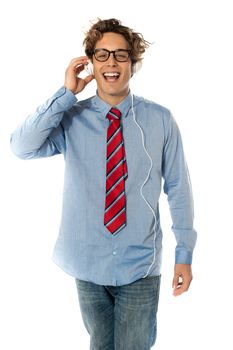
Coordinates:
145 181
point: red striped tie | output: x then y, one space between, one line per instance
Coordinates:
116 174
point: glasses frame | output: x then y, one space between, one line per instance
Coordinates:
109 53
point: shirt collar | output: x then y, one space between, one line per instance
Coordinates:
104 107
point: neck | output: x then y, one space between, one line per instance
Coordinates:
112 100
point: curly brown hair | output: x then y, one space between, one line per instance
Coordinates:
137 44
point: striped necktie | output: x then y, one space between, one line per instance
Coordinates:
116 174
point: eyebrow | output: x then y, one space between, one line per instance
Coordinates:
102 48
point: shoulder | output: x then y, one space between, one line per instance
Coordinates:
151 108
82 105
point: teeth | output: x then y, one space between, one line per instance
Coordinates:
111 74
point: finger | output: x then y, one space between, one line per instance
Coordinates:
178 291
181 286
89 78
79 69
78 59
176 280
177 285
76 63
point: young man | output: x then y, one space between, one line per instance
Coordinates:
117 149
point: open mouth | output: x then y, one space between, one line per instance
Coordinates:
111 76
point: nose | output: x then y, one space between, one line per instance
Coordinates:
111 60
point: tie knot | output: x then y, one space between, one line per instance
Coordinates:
114 114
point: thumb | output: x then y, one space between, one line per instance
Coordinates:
176 280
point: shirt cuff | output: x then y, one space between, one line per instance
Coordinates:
66 97
183 256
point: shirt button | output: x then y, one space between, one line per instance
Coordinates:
114 252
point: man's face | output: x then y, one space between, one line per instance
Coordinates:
112 88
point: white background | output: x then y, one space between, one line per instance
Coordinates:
189 70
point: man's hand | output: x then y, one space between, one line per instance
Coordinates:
72 81
182 278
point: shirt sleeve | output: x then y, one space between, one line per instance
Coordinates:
42 135
178 188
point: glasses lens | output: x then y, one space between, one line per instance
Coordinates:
101 55
121 55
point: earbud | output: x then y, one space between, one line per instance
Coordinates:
89 68
136 67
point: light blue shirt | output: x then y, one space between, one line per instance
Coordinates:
85 249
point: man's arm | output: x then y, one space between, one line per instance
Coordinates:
41 135
36 136
177 186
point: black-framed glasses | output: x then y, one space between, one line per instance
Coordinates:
120 55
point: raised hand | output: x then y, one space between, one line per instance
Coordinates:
72 80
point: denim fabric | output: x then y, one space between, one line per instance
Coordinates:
120 317
85 249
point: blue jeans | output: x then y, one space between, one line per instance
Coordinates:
121 317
